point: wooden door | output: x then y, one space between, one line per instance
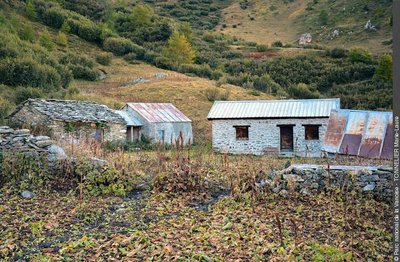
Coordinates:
286 138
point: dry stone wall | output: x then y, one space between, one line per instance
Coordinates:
314 179
22 141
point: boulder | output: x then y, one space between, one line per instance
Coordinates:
28 194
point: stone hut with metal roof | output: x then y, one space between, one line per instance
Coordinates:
159 122
271 127
66 118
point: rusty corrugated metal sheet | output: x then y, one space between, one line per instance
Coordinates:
360 133
273 108
159 112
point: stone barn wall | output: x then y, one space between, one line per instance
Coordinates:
264 136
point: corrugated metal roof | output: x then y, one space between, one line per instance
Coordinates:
360 133
130 120
159 112
273 108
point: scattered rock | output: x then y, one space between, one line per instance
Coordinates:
28 194
139 80
160 75
369 26
98 162
369 187
56 153
305 39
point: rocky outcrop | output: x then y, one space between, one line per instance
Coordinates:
314 179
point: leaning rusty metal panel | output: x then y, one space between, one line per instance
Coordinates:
374 135
387 149
363 133
336 127
353 133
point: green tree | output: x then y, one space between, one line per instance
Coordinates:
65 28
142 15
384 71
46 41
187 31
30 10
323 17
62 39
179 51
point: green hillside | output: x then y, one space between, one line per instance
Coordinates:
69 49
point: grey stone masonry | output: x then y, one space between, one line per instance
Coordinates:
22 141
314 179
264 136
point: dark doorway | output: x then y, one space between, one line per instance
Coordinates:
132 133
286 138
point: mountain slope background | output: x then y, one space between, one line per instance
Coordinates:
186 53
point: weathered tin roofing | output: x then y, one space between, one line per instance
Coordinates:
273 108
360 133
73 111
159 112
130 120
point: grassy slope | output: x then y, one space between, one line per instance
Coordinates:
274 20
187 93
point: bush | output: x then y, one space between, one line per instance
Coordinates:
213 93
262 48
303 91
46 41
203 70
384 71
121 46
5 110
62 39
28 72
27 34
277 44
359 55
24 93
84 72
337 52
104 58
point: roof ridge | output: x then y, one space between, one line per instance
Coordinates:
276 100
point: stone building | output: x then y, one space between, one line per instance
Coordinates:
159 122
273 127
66 118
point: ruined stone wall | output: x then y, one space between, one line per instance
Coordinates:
314 179
22 141
264 136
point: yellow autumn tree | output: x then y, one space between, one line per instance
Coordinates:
179 51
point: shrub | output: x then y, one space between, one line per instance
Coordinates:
27 34
303 91
337 52
277 44
212 94
179 51
359 55
28 72
203 70
384 71
104 58
75 59
46 41
62 38
323 17
121 46
84 72
5 110
262 48
24 93
30 10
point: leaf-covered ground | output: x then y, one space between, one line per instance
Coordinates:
194 227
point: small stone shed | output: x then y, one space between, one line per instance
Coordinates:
159 122
271 127
64 118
